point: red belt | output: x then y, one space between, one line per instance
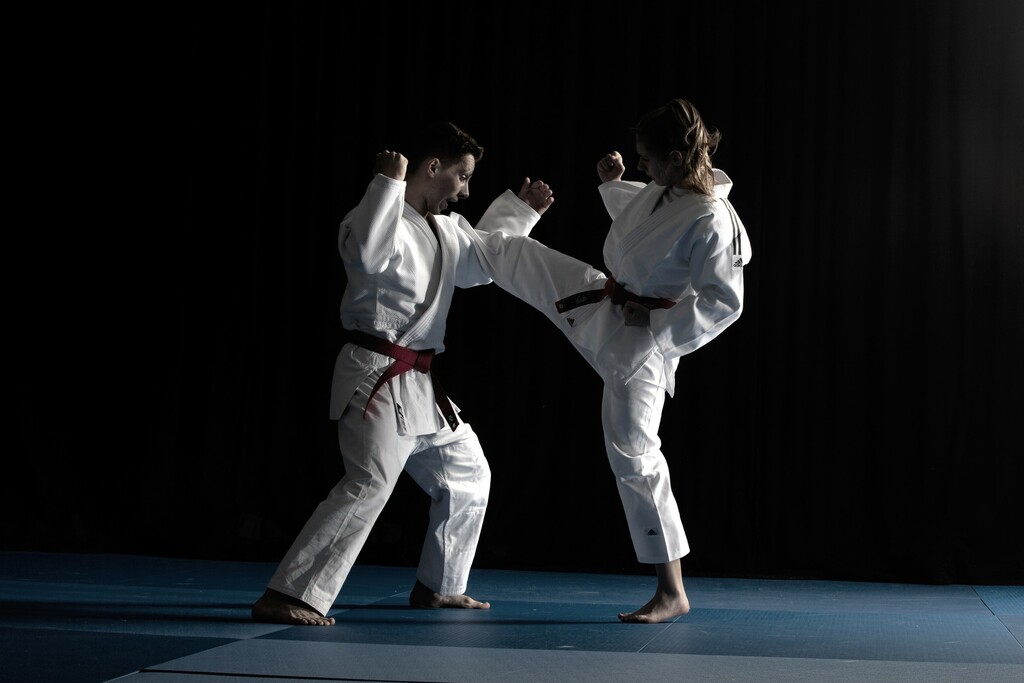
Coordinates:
405 359
618 294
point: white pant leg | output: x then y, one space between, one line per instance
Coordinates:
534 273
374 455
452 469
540 276
631 416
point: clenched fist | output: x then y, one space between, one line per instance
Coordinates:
610 167
391 164
537 194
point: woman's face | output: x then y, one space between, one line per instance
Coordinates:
662 169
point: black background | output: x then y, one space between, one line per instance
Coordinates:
174 281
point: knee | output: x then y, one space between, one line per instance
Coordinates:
363 486
626 468
483 469
634 440
478 475
484 479
476 483
474 489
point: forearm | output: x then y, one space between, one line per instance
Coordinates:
508 214
366 239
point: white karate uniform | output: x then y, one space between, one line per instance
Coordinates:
663 243
400 284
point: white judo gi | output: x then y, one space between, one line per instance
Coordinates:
681 246
400 283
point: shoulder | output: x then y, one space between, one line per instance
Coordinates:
455 227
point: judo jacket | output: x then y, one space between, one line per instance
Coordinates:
401 278
689 252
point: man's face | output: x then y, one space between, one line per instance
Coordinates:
450 184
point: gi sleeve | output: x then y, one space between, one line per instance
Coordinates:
508 214
484 250
716 298
367 237
617 194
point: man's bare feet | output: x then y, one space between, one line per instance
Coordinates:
277 608
661 607
423 598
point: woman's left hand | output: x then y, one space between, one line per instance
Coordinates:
636 315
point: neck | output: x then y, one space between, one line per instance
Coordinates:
416 200
683 184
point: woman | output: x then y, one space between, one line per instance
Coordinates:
675 252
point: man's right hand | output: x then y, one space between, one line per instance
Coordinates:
391 164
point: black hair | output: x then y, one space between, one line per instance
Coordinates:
443 140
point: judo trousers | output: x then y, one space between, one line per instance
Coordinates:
630 417
449 465
631 411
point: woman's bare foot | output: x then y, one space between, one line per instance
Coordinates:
669 599
424 598
277 608
660 608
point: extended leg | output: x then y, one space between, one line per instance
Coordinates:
537 274
321 557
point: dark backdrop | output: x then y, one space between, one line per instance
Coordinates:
175 327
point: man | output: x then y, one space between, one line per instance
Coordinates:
403 259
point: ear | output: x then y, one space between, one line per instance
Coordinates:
433 165
676 157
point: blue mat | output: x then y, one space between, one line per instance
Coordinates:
91 619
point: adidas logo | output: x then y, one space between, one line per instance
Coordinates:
652 532
571 321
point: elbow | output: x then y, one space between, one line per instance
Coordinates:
736 307
726 301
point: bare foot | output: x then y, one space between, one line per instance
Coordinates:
277 608
661 607
423 598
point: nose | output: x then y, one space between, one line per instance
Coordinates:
464 192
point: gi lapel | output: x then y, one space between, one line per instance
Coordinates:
445 285
643 215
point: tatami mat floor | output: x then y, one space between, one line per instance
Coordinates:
73 618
